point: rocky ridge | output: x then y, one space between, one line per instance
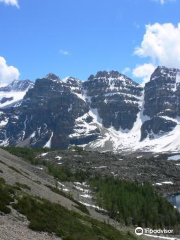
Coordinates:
108 112
12 94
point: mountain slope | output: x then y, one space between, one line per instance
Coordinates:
40 198
157 123
12 94
108 112
72 174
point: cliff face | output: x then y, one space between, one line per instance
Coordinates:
109 111
47 112
116 98
162 93
162 102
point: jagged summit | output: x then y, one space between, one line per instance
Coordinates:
18 86
74 84
105 75
72 80
12 94
167 68
163 72
52 76
110 74
112 77
108 112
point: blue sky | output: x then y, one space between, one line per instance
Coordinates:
80 37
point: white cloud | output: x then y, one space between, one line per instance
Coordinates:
11 2
143 71
161 43
7 73
126 70
62 52
162 2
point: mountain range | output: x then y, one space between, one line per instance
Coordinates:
108 112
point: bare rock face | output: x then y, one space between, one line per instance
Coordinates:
161 97
47 113
162 93
57 113
116 98
18 86
74 84
155 126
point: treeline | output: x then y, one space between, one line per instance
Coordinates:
61 173
46 216
28 154
133 203
130 203
6 196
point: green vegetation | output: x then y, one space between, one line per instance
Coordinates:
134 204
79 205
63 173
58 172
26 153
14 169
53 218
77 148
44 215
130 203
24 186
6 196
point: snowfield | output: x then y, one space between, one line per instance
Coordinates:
127 140
16 98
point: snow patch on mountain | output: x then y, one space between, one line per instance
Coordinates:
48 144
110 117
165 143
13 93
12 98
127 142
82 127
3 122
124 138
178 77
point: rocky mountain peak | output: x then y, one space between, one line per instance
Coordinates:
112 78
52 76
168 74
111 82
108 111
105 75
114 96
73 81
111 74
74 84
161 102
12 94
18 86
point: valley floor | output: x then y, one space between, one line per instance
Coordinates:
153 168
